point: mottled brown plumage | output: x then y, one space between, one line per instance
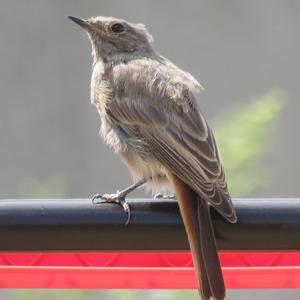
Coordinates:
150 116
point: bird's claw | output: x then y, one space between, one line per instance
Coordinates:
110 198
126 208
163 196
117 198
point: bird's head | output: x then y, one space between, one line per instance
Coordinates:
111 37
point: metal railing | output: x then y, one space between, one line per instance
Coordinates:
78 225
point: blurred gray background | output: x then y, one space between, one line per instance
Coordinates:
48 129
49 138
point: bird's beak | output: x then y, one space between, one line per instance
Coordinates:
87 25
81 22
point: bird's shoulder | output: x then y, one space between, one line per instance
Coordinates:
155 80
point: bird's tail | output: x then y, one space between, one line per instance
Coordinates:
198 225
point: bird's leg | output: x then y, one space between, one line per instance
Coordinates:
119 197
163 196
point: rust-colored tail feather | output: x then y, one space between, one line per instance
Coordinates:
198 224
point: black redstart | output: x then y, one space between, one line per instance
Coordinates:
150 116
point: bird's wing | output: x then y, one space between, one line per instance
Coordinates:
176 134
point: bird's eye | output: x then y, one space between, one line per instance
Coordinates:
117 28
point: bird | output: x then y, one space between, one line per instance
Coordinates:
150 117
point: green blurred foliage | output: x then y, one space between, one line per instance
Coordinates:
55 294
51 187
243 138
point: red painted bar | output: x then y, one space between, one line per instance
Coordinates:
144 270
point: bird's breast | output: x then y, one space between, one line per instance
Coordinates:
134 155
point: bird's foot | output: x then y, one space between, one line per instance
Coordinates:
118 198
163 196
